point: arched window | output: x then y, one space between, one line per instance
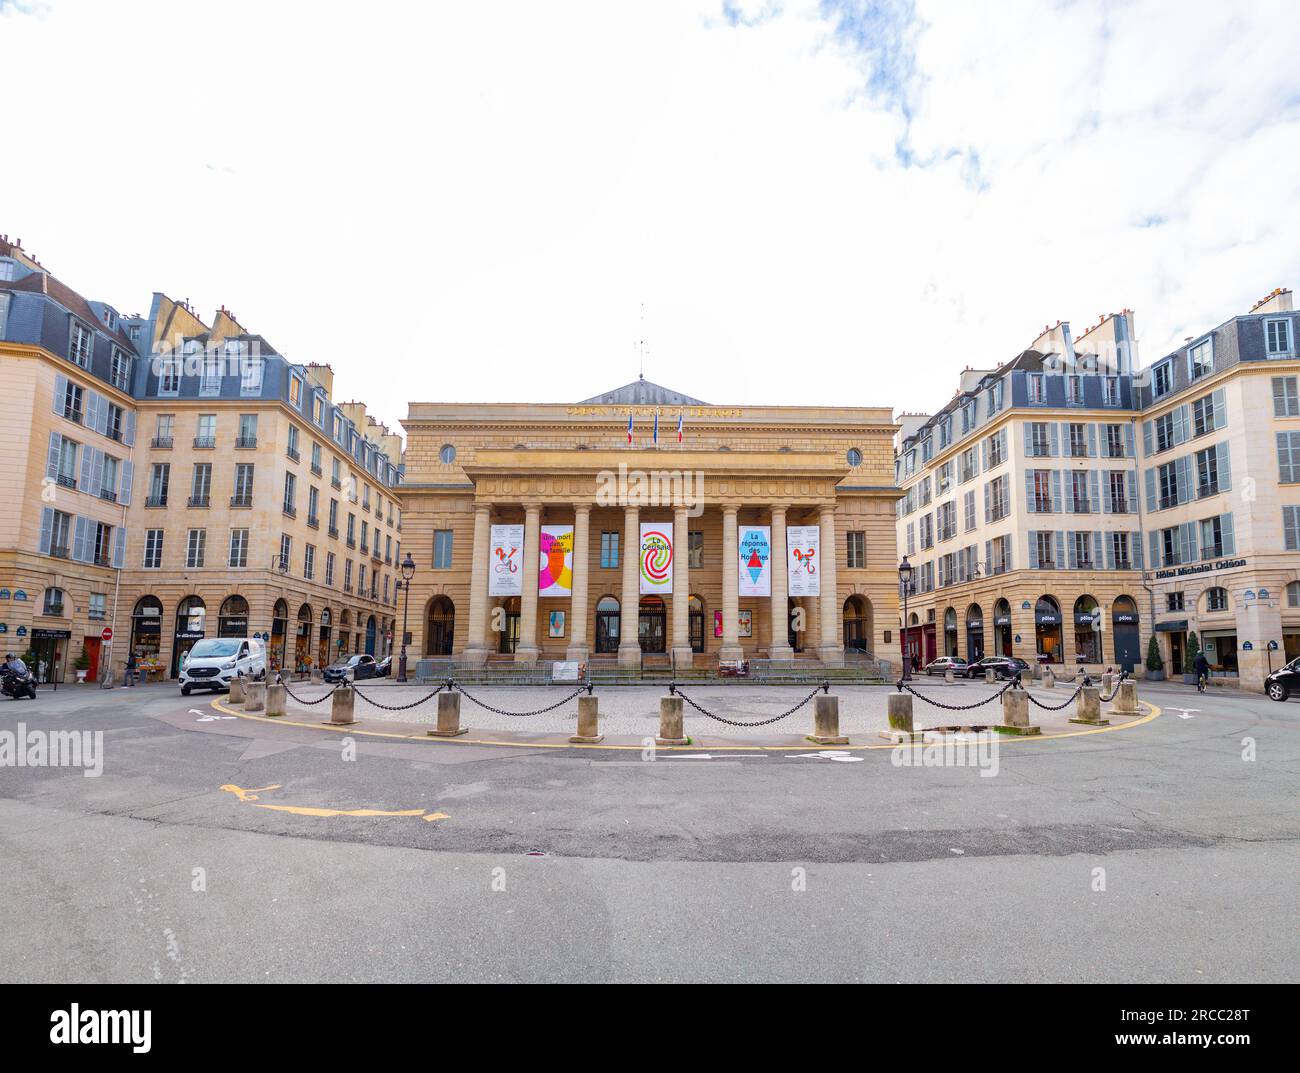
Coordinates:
53 604
1216 599
146 629
1047 630
695 611
232 619
857 624
1293 594
440 627
950 632
1087 630
974 633
1002 636
607 622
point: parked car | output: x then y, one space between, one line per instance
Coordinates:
1284 681
384 667
353 669
946 663
213 662
1002 666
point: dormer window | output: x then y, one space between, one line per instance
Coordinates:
80 345
120 371
295 389
1200 359
1037 388
1162 380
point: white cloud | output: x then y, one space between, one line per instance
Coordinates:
472 202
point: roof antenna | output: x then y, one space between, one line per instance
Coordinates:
642 344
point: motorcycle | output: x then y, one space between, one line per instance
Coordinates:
17 684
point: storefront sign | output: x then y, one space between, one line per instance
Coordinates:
40 634
1201 568
506 561
803 559
1001 620
755 560
555 565
655 558
1124 618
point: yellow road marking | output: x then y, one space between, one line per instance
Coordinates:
251 796
248 795
421 737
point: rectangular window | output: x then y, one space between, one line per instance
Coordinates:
201 484
159 479
153 549
206 433
313 504
1291 528
997 448
347 575
1037 388
1120 552
1162 380
329 568
292 449
98 606
1042 491
243 496
1207 472
695 550
968 465
169 375
251 369
1115 447
442 549
1288 457
290 494
1079 497
73 398
1118 485
609 550
1174 602
295 389
1039 440
286 552
1168 483
80 345
1110 391
1045 545
238 547
210 376
1083 550
1078 441
944 478
1200 359
1212 543
857 548
163 435
1074 390
309 561
120 369
1164 426
1278 338
1285 401
247 431
927 531
196 545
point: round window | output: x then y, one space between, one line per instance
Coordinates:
854 457
447 455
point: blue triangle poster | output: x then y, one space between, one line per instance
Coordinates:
755 564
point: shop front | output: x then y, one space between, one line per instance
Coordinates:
1047 630
974 633
49 655
1125 626
1220 648
1002 633
191 620
1087 631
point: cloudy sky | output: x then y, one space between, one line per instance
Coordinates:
835 202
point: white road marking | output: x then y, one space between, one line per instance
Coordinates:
843 758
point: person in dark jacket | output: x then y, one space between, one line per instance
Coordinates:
1201 666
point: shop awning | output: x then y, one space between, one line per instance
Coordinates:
1178 625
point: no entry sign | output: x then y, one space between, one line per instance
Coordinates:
106 634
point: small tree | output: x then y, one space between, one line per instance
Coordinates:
1193 650
1154 662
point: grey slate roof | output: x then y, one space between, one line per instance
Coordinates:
643 393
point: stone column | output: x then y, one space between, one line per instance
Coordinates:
832 643
526 650
578 613
629 644
778 645
730 586
476 648
682 653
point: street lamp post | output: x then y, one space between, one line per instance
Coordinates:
905 583
408 572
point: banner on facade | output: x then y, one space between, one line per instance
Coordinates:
506 561
656 558
803 554
555 565
755 560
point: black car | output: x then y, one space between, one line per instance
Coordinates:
384 667
1284 681
354 668
1003 667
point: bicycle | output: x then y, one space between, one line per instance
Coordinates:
1201 681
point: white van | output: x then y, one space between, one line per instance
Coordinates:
214 661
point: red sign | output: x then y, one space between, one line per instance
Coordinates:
106 634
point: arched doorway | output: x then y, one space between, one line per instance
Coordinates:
1124 621
798 618
371 631
279 628
510 631
146 630
439 627
1087 630
974 633
323 643
1002 636
191 620
1047 630
302 639
232 619
345 632
857 624
651 624
950 632
607 619
695 621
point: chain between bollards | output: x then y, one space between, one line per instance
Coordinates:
675 690
1013 683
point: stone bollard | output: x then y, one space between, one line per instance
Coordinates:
1107 682
1026 676
670 721
1126 701
1088 708
990 676
1015 712
588 721
901 727
342 707
947 676
1049 678
237 689
255 696
276 697
315 674
826 721
448 716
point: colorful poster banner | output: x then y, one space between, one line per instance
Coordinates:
656 558
755 560
803 552
506 561
555 564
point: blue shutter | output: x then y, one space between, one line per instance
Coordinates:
1155 548
1225 467
1094 491
1229 535
1092 441
1056 491
1054 434
60 392
1029 492
1130 489
119 546
87 468
96 472
1220 412
1029 437
1146 437
988 516
1033 548
1130 438
52 458
1060 547
1110 552
1135 546
1183 468
128 428
47 529
124 487
81 546
1073 559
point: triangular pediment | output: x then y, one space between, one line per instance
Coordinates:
642 392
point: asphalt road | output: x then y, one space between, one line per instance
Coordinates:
759 866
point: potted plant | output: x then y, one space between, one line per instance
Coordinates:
1155 665
82 665
1189 660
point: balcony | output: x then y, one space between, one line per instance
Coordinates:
333 531
102 560
1042 505
72 413
315 469
376 555
65 481
204 443
292 454
162 443
1081 506
241 502
60 551
53 610
108 495
1123 564
1206 489
156 501
313 521
335 483
1118 506
290 510
351 542
1168 501
245 443
198 502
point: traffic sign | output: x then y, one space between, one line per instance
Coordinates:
106 634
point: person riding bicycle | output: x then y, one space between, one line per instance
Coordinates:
1201 666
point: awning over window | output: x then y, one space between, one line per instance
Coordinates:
1178 625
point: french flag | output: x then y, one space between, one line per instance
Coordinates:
656 431
679 427
629 430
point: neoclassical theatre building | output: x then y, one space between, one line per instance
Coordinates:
645 527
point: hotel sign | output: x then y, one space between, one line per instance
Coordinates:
1200 568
